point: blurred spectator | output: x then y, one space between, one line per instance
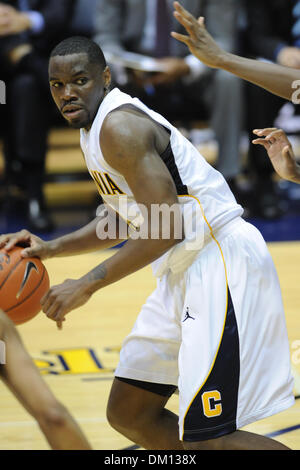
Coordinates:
29 29
186 87
273 34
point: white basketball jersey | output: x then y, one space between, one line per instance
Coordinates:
205 198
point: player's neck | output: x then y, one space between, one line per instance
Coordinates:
106 92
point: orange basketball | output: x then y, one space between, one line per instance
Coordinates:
23 283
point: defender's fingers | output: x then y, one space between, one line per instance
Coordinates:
276 134
262 142
182 11
184 14
187 24
181 37
265 131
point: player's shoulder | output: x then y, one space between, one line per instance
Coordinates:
126 122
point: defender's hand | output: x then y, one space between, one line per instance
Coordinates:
280 152
199 41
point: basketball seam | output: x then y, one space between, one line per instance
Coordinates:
30 294
10 272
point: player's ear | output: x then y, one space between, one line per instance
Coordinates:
106 78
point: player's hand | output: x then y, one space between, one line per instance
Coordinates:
199 41
12 21
33 245
62 299
280 152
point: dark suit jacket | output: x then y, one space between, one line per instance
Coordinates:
119 24
57 15
269 26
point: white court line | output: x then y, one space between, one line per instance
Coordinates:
34 423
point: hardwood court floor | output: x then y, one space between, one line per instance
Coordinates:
78 362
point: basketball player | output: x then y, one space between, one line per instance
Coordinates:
279 80
24 380
215 326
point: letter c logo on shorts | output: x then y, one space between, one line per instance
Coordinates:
211 402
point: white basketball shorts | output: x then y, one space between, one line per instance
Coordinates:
218 332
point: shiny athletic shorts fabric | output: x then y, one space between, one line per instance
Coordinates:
216 331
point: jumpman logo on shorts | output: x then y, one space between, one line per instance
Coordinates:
187 315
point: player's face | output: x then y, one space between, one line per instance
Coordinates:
77 87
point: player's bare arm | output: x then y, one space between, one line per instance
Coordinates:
277 79
130 145
81 241
280 152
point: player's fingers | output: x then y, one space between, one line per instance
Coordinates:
264 132
182 11
183 16
34 251
20 237
262 142
44 298
186 23
60 314
59 324
201 20
3 240
276 134
13 242
51 308
181 37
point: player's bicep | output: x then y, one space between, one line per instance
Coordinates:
128 146
150 181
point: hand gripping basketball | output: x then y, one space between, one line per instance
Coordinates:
23 283
32 245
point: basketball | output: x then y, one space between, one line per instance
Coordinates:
23 283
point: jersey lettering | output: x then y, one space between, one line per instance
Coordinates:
105 184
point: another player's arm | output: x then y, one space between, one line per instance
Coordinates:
278 80
23 377
129 146
81 241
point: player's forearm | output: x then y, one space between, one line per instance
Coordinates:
84 240
133 256
274 78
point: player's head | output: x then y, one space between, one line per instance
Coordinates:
79 79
